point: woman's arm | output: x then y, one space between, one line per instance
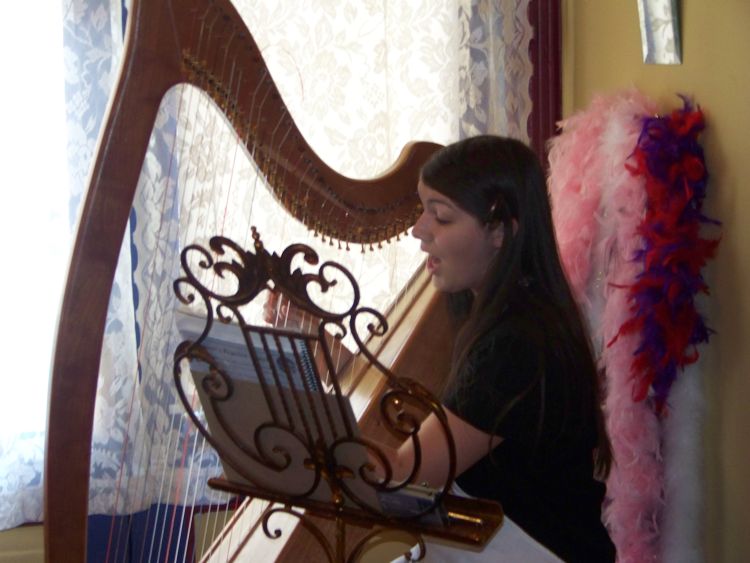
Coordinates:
472 445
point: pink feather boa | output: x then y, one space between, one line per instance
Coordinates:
597 207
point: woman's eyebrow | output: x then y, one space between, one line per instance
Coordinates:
438 201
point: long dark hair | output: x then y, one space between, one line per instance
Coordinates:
501 182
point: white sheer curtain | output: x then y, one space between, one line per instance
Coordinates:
35 228
361 79
494 67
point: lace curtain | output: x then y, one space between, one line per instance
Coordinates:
494 68
65 68
361 79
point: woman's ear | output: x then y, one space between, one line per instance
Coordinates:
497 232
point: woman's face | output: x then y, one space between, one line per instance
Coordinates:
459 247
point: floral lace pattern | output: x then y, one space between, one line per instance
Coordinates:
494 70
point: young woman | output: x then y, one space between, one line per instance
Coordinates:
522 398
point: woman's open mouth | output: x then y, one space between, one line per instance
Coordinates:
432 263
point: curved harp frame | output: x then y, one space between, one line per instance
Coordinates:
201 42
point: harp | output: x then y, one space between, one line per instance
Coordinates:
205 44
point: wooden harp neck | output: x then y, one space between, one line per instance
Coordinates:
207 44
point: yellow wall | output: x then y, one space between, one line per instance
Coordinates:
602 54
24 544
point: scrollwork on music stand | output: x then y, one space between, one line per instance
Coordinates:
308 430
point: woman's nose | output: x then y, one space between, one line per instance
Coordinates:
419 230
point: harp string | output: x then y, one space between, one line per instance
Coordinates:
169 471
212 507
157 538
144 451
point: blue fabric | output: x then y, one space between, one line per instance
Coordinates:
161 533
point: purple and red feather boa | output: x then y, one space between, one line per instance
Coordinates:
662 298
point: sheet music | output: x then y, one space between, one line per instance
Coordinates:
296 401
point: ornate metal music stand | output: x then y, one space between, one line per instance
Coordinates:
286 434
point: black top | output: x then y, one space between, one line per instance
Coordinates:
542 471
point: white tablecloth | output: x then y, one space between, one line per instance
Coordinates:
509 545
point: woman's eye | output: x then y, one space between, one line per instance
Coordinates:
441 220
